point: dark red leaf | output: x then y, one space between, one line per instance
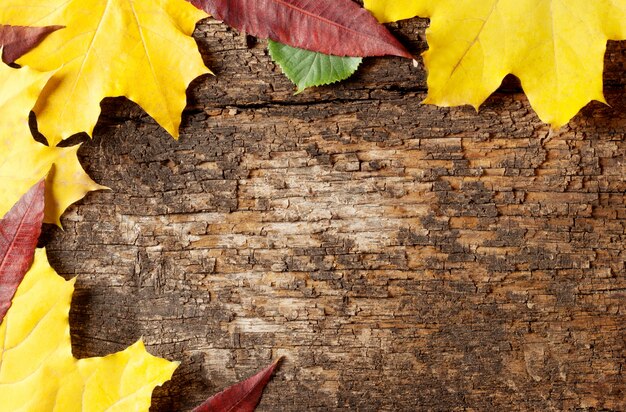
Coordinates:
17 40
19 231
241 397
337 27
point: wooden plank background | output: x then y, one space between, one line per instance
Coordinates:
401 257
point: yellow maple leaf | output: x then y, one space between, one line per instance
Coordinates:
141 49
23 161
556 48
38 372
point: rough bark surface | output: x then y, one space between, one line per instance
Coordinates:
401 257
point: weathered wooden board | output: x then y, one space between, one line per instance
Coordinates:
401 257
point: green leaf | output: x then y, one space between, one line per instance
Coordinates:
307 69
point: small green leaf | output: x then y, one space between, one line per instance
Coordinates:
307 69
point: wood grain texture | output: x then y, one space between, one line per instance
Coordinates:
401 257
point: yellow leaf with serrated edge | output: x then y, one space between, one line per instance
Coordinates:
387 11
141 49
555 47
38 372
23 161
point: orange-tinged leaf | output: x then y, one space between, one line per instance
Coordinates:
556 48
23 161
141 49
37 370
19 231
241 397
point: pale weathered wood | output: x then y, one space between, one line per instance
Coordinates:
401 257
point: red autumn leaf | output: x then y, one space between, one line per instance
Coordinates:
337 27
241 397
17 40
19 231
